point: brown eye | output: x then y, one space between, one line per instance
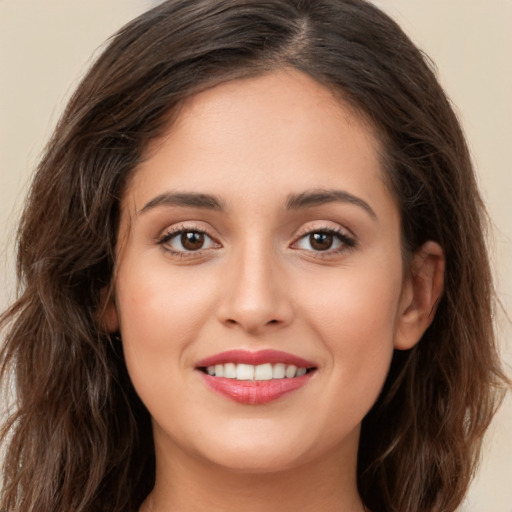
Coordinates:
192 240
325 240
187 241
321 241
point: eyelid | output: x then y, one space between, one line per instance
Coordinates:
185 227
347 238
323 225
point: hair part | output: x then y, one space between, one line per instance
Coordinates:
80 437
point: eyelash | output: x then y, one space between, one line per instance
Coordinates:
346 242
175 232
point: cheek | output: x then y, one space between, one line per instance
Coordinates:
356 320
160 315
357 304
160 301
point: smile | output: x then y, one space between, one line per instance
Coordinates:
255 377
261 372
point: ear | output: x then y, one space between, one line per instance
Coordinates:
109 317
420 294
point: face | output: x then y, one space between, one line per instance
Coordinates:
260 288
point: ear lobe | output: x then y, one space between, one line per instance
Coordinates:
420 295
109 319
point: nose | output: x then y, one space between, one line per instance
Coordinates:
255 293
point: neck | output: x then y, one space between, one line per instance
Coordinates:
187 484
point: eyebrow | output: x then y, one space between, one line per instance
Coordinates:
305 199
318 197
187 199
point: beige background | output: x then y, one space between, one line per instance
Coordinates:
45 46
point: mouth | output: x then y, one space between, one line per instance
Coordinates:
255 377
261 372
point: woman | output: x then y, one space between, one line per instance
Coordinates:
254 275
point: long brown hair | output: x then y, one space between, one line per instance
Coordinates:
79 439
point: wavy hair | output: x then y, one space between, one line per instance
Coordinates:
78 438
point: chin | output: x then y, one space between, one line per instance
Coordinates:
257 460
266 448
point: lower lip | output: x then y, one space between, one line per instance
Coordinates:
254 392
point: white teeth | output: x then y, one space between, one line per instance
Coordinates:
300 372
219 370
244 372
230 370
265 371
278 371
290 371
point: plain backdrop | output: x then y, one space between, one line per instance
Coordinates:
46 45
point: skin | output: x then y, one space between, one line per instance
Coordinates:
258 283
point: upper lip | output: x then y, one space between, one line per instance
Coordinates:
255 358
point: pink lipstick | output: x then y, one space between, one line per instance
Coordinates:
255 377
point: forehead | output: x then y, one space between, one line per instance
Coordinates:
282 131
289 101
